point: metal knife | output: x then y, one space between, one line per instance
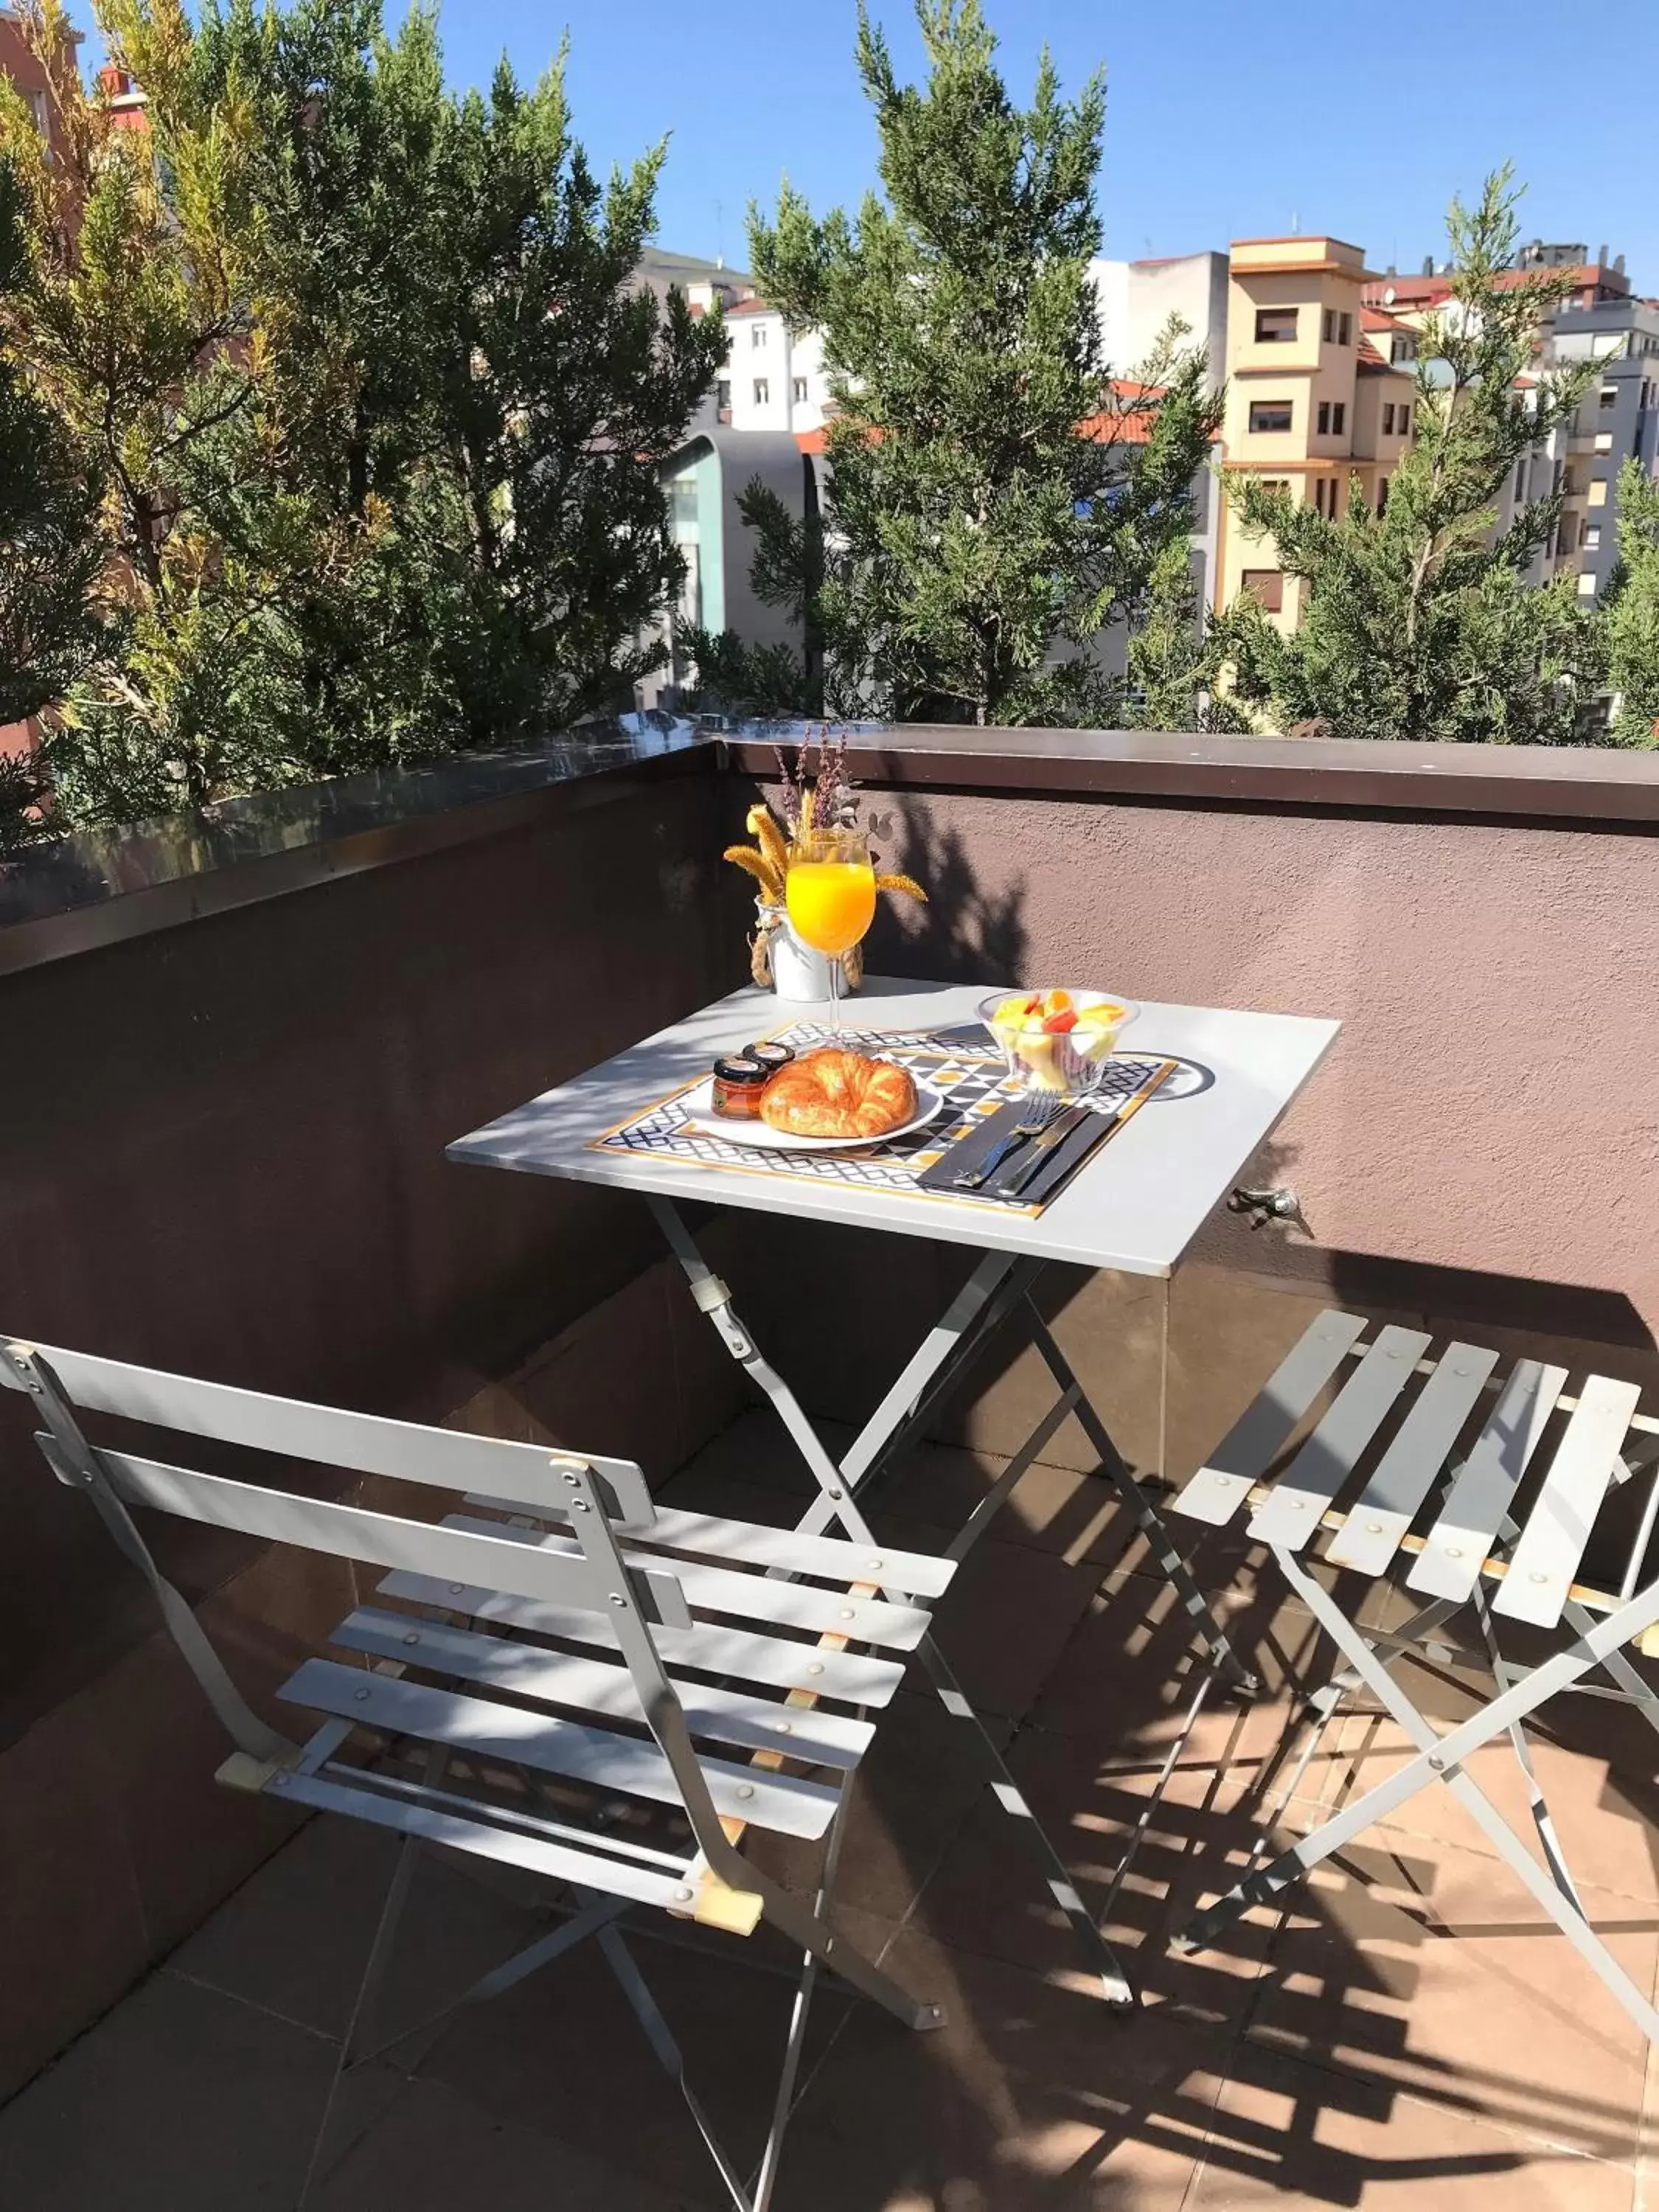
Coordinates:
1036 1153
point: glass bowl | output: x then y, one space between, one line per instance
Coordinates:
1054 1046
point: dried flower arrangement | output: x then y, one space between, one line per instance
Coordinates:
816 793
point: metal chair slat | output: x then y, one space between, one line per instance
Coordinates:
331 1435
601 1686
1459 1542
706 1647
1221 1485
1403 1477
479 1838
1316 1477
754 1543
601 1756
747 1596
1558 1529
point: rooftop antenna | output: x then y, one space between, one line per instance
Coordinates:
1295 223
720 233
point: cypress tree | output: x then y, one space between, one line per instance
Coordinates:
995 502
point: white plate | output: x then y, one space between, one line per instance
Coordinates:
701 1117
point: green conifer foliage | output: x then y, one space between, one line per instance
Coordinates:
1632 612
995 502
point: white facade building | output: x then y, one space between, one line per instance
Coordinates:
773 380
1136 298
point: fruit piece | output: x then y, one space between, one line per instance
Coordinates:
1057 1025
1057 1002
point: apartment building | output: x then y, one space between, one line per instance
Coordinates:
774 378
702 483
1135 301
1314 399
1617 421
1595 283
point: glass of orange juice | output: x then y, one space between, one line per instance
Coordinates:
831 894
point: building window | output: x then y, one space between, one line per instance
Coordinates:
1404 420
1402 348
1381 496
799 393
1275 326
1275 484
1344 330
1608 396
723 398
1604 442
1266 586
1387 418
1268 417
1587 585
1324 418
1598 492
1521 481
1339 417
756 336
1591 540
1330 327
763 391
1566 539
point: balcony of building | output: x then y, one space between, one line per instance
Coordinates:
236 1053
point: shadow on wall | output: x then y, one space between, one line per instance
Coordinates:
963 934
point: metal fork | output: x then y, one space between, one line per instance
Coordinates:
1040 1110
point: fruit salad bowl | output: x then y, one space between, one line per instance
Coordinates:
1057 1041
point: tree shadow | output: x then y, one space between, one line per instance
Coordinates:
965 934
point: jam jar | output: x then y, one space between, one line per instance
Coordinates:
738 1083
770 1055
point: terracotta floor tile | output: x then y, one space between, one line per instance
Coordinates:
1007 1619
434 2151
1127 1678
1606 1820
1035 2094
990 1896
181 2100
912 1794
1438 1974
295 1938
1296 2137
1052 1508
564 2056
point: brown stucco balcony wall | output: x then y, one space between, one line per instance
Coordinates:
1485 920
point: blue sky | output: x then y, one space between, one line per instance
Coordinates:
1224 120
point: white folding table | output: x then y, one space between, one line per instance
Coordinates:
1134 1206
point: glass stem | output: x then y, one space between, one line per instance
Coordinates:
834 995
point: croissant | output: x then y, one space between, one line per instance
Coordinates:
838 1094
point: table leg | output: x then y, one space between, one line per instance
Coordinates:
997 1285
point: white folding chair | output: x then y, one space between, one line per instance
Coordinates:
654 1681
1446 1488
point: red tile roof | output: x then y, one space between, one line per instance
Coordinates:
751 307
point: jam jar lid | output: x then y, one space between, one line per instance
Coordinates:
769 1054
740 1067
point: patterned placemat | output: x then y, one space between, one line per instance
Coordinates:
974 1081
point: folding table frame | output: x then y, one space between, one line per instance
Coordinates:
1415 1438
1000 1286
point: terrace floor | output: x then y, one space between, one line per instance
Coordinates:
1411 2035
